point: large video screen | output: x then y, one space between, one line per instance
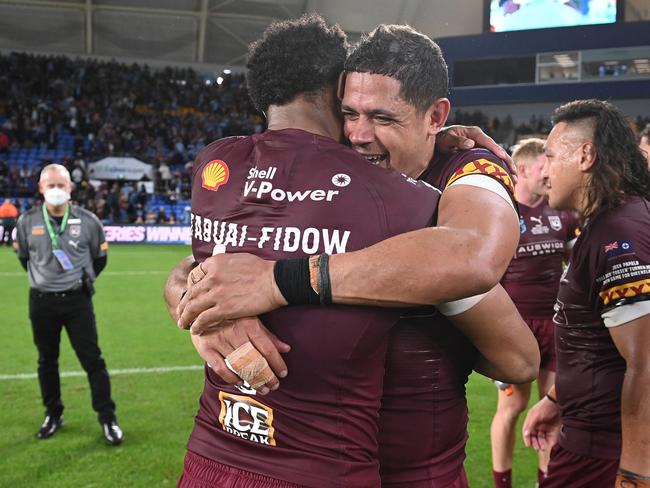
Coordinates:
512 15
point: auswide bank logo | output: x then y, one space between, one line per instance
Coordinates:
215 174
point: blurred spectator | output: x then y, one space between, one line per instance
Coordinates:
165 177
161 218
8 216
77 174
150 218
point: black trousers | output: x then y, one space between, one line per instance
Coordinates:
49 314
8 225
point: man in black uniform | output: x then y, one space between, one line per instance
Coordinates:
63 249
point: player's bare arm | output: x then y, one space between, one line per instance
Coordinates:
633 342
509 353
465 255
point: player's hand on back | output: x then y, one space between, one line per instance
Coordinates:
225 287
457 137
263 351
541 428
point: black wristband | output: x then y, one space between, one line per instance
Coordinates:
324 284
292 278
551 398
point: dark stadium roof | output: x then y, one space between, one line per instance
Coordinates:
213 32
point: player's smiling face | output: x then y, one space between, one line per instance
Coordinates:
383 127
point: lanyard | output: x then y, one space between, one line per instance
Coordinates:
54 237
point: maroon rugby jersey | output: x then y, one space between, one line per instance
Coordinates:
609 267
284 194
533 277
423 417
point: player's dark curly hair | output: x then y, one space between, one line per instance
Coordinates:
620 168
401 52
294 57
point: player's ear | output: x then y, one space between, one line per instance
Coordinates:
588 156
521 170
437 115
341 86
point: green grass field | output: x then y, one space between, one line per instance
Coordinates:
155 409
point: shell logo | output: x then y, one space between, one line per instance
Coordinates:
214 175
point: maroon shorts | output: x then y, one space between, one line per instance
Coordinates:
567 469
200 472
459 482
544 332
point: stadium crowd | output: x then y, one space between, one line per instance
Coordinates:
55 109
72 111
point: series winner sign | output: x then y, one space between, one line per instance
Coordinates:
148 234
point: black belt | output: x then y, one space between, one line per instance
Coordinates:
64 293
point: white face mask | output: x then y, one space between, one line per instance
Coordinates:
56 196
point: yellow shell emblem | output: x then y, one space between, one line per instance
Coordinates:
214 175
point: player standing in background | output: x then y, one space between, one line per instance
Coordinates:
532 281
601 397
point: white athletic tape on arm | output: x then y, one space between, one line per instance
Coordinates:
626 313
487 182
456 307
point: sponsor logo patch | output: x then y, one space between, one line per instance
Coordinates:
539 227
246 418
628 290
617 248
103 246
484 167
555 222
215 174
38 231
341 180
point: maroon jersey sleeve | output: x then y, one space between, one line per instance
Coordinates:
622 255
448 169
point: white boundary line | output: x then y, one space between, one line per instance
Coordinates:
108 273
112 372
